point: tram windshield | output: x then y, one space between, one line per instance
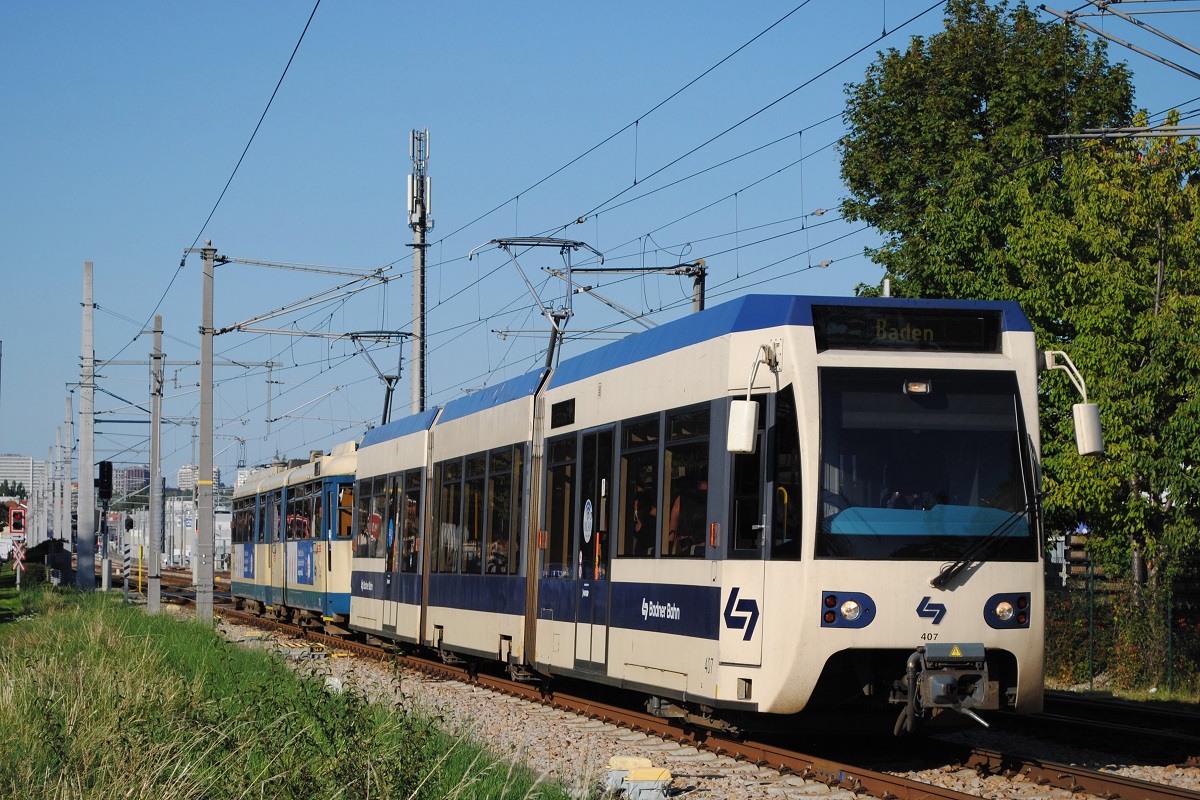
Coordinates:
923 466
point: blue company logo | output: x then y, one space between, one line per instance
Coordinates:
928 610
735 608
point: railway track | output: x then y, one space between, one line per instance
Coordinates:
1024 773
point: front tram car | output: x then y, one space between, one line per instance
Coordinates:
775 505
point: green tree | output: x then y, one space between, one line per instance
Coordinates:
947 156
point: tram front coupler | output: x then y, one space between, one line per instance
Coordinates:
943 677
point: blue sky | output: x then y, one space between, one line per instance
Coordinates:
123 121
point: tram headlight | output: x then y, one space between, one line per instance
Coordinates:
851 610
1004 610
846 610
1008 610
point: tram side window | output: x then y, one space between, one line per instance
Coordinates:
685 473
474 515
318 517
299 514
240 516
369 518
746 491
375 518
638 518
410 548
560 507
274 509
448 544
395 506
503 545
345 513
362 511
786 513
261 516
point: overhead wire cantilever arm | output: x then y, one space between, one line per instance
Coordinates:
565 247
389 381
614 305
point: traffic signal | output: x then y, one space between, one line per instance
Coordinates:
16 520
105 484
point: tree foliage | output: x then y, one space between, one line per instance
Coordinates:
947 156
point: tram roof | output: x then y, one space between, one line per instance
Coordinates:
400 427
746 313
749 313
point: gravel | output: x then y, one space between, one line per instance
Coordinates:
577 751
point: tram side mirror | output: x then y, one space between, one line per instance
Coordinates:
1088 437
743 426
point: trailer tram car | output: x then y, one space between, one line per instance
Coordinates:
778 504
292 540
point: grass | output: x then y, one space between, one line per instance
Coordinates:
99 700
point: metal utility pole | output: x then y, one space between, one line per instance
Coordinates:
85 546
203 562
154 524
421 223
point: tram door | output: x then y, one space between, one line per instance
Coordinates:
744 573
324 519
273 548
280 566
592 546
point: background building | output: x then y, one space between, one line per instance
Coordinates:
23 470
130 484
187 477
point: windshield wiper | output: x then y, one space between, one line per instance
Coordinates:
949 571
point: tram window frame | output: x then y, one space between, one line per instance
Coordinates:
641 439
345 511
274 509
316 524
362 510
683 492
747 488
474 514
448 542
410 548
562 474
787 468
378 508
503 511
260 519
243 513
394 505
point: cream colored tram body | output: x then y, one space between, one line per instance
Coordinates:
777 504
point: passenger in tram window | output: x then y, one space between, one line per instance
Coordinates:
498 555
689 518
645 519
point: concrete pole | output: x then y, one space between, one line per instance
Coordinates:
51 513
68 461
203 559
154 524
85 575
60 503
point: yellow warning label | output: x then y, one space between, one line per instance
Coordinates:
955 652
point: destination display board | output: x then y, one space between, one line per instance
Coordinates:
891 328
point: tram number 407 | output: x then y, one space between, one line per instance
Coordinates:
929 637
708 665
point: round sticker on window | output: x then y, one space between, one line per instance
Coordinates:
587 521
